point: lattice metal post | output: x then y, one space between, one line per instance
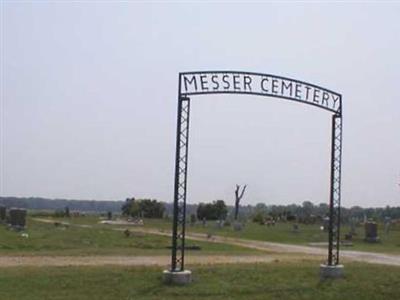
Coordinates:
181 163
335 193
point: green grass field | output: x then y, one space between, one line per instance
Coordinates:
278 280
46 239
282 233
294 278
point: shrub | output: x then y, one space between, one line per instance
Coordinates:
259 218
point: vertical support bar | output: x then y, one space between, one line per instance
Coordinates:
181 163
335 192
175 217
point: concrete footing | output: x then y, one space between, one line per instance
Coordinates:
326 271
182 277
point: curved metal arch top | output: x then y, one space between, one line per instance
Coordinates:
236 82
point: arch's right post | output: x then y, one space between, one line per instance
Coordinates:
333 269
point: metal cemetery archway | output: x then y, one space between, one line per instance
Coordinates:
232 82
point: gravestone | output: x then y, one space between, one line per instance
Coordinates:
237 226
219 224
387 222
296 228
270 223
371 232
348 237
18 218
3 212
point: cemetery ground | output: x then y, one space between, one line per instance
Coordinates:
279 233
90 238
283 233
130 267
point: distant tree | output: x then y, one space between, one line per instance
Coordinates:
145 208
261 207
238 197
202 211
134 210
151 208
126 207
258 217
308 208
221 209
216 210
322 209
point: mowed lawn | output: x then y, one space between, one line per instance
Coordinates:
46 239
93 241
279 280
283 233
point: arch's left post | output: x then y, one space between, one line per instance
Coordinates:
177 274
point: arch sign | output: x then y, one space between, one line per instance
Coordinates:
250 83
198 83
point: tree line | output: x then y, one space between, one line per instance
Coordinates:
308 210
37 203
151 208
143 208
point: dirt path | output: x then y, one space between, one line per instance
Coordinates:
164 261
370 257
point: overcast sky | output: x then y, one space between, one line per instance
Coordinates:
89 94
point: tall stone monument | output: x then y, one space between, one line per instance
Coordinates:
371 232
18 218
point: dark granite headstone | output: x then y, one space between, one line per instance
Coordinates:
18 218
371 232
